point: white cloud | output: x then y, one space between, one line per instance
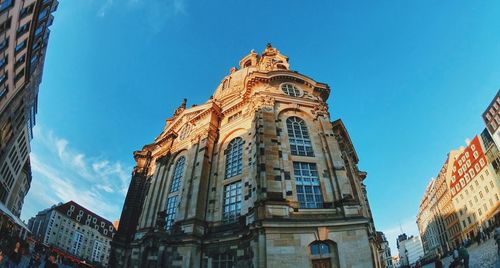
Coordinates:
106 188
104 8
61 146
62 173
64 189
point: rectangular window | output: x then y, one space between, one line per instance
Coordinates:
4 44
20 46
5 4
33 60
232 202
307 185
97 251
42 14
223 261
5 25
170 212
3 78
3 92
77 243
3 61
20 61
25 11
19 75
23 29
39 30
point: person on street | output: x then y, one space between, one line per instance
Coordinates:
51 261
1 258
15 255
455 254
438 263
35 260
496 236
464 255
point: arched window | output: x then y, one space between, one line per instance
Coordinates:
225 84
298 137
177 175
324 254
290 90
234 157
319 248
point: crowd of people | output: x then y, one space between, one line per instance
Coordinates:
16 252
460 253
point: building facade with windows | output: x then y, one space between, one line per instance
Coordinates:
410 251
24 35
437 220
384 251
475 189
257 176
464 199
491 118
74 230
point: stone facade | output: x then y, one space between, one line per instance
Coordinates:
258 176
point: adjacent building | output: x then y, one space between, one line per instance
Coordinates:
258 176
410 250
437 219
446 208
24 35
74 230
428 219
475 189
384 251
491 118
464 199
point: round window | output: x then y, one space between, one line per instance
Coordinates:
185 131
290 90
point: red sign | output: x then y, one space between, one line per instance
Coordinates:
467 166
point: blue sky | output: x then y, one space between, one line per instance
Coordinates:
409 79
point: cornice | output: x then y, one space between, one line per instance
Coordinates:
265 77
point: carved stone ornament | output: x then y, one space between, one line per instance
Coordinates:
320 110
181 108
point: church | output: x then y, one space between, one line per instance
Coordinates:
257 176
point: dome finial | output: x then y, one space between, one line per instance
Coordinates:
269 45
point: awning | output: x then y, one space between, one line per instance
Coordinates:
4 210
